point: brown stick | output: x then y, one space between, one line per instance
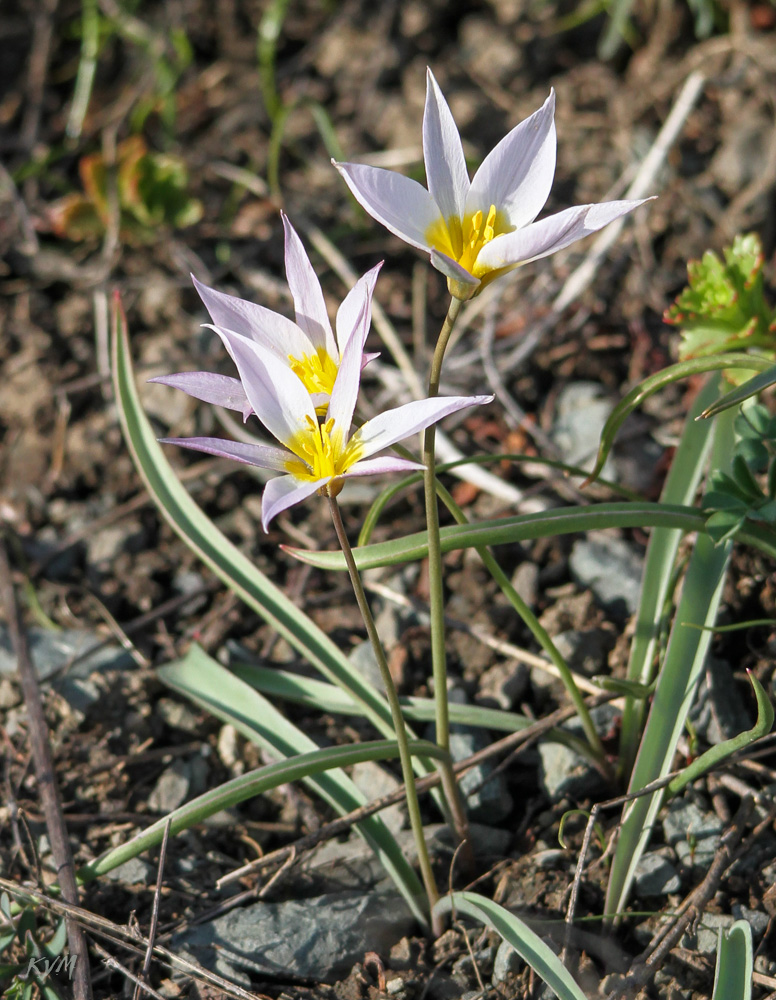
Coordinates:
47 783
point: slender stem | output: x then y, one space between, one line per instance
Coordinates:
436 593
539 633
413 805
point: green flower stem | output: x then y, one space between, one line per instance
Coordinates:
436 592
413 806
538 632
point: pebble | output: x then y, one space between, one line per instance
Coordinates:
656 876
581 410
611 568
718 711
375 781
172 788
693 833
507 963
503 684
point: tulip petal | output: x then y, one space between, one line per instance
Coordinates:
551 234
284 492
402 205
309 304
378 466
446 173
452 269
277 395
261 455
266 327
355 313
344 392
516 176
221 390
394 425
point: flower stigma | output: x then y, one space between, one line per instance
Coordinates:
321 454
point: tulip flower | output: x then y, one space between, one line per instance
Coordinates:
318 455
476 231
307 346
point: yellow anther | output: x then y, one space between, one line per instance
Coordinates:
470 234
317 371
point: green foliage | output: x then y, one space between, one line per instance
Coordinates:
151 190
25 958
724 308
748 491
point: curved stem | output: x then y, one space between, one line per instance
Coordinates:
413 805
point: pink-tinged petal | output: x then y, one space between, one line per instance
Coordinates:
452 269
355 313
344 392
284 492
378 466
394 425
551 234
306 291
277 395
366 358
260 455
446 173
402 205
266 327
516 176
221 390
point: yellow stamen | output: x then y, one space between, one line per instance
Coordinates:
317 371
462 239
321 453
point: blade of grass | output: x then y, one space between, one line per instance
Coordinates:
507 530
680 487
208 684
735 964
750 388
527 943
247 786
677 680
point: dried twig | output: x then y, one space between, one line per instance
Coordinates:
154 914
47 782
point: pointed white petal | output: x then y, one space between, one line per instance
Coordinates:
260 455
309 303
377 466
344 392
446 174
516 176
394 425
277 395
402 205
284 492
549 235
355 313
366 358
221 390
452 269
255 322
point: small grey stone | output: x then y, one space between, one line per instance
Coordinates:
487 800
508 963
178 715
136 871
758 920
363 658
375 781
584 650
656 876
718 711
503 684
705 937
394 987
172 788
10 694
52 651
564 773
228 744
581 410
612 570
525 580
319 938
693 834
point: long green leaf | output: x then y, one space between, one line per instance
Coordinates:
208 684
247 786
224 558
677 681
507 530
658 381
680 487
735 964
751 387
527 943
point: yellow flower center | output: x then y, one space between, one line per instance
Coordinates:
321 453
317 371
462 239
